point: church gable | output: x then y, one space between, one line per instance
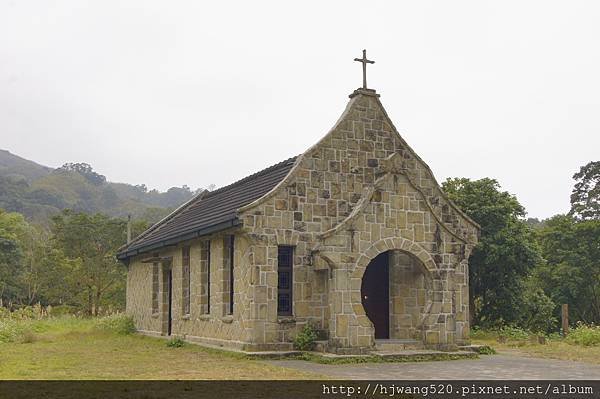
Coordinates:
339 176
360 194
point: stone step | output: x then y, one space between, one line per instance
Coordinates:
320 346
395 345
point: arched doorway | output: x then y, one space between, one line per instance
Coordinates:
375 294
396 290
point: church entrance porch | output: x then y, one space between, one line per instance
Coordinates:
396 290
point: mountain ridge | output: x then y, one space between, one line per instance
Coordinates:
38 192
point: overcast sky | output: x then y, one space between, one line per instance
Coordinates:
198 93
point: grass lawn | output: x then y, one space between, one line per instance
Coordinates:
74 349
552 349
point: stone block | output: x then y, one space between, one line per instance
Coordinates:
415 217
302 309
260 255
260 294
447 307
364 321
365 341
358 309
341 325
419 233
432 337
272 279
398 304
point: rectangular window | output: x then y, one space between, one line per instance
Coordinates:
208 277
230 252
205 277
285 280
155 288
185 279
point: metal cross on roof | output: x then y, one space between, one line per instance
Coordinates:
364 62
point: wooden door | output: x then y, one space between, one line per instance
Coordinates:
375 292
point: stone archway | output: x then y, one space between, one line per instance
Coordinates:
410 288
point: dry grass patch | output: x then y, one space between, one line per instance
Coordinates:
81 351
553 348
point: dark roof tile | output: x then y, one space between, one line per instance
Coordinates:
208 212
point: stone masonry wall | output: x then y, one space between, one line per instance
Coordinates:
358 192
410 291
216 327
139 297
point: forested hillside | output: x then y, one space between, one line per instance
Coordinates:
39 192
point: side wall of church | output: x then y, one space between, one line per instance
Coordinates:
208 322
139 297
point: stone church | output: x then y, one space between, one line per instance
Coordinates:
354 236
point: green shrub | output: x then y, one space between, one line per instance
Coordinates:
4 313
584 335
513 333
537 314
119 323
24 313
305 339
486 350
11 330
176 342
35 312
554 336
478 333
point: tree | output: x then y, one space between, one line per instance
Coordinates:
505 254
538 313
90 243
585 197
13 228
43 270
571 271
86 171
30 270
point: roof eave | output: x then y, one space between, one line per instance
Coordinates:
124 255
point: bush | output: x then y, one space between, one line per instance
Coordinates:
584 335
478 333
305 339
176 342
11 330
538 310
513 333
35 312
4 313
554 336
118 323
486 350
24 313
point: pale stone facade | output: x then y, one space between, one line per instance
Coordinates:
359 192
